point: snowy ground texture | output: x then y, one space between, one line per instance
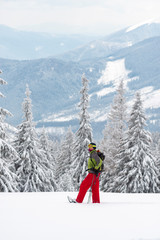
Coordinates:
49 216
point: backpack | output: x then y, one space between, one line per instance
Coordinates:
102 157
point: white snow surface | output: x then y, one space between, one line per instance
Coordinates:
150 21
151 97
48 216
131 28
105 91
61 116
114 72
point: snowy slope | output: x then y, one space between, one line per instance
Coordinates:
109 44
15 44
48 216
55 83
142 24
116 70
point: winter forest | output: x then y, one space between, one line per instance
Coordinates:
32 162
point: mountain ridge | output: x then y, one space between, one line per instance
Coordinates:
55 84
26 45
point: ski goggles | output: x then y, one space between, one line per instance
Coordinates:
91 146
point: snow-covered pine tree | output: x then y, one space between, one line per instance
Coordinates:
8 155
3 114
157 155
64 162
68 149
66 182
50 160
33 173
53 146
136 170
114 133
47 146
82 138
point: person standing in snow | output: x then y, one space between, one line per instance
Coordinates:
92 179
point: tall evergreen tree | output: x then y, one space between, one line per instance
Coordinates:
3 114
33 172
66 182
49 159
157 155
83 137
47 146
64 162
59 167
68 149
8 155
136 170
53 146
114 133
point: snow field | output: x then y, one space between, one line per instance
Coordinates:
48 216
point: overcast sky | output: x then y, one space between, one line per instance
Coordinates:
96 17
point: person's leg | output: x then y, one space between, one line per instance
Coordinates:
95 191
85 185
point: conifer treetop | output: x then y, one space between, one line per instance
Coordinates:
27 105
2 81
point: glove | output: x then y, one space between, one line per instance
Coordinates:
96 171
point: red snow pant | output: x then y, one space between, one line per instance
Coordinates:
90 180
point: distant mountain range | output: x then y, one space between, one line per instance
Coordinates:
55 82
20 45
110 44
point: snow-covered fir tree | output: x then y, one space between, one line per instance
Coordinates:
47 146
60 165
64 162
156 147
136 170
52 148
68 149
82 138
32 170
44 141
8 155
114 133
50 159
3 114
157 155
66 182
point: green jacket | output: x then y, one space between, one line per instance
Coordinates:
94 161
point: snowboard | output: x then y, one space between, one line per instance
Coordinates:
71 200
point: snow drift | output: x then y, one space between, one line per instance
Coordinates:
48 216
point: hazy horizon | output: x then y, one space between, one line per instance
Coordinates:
92 17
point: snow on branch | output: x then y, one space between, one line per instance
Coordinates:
8 147
1 95
5 112
2 82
